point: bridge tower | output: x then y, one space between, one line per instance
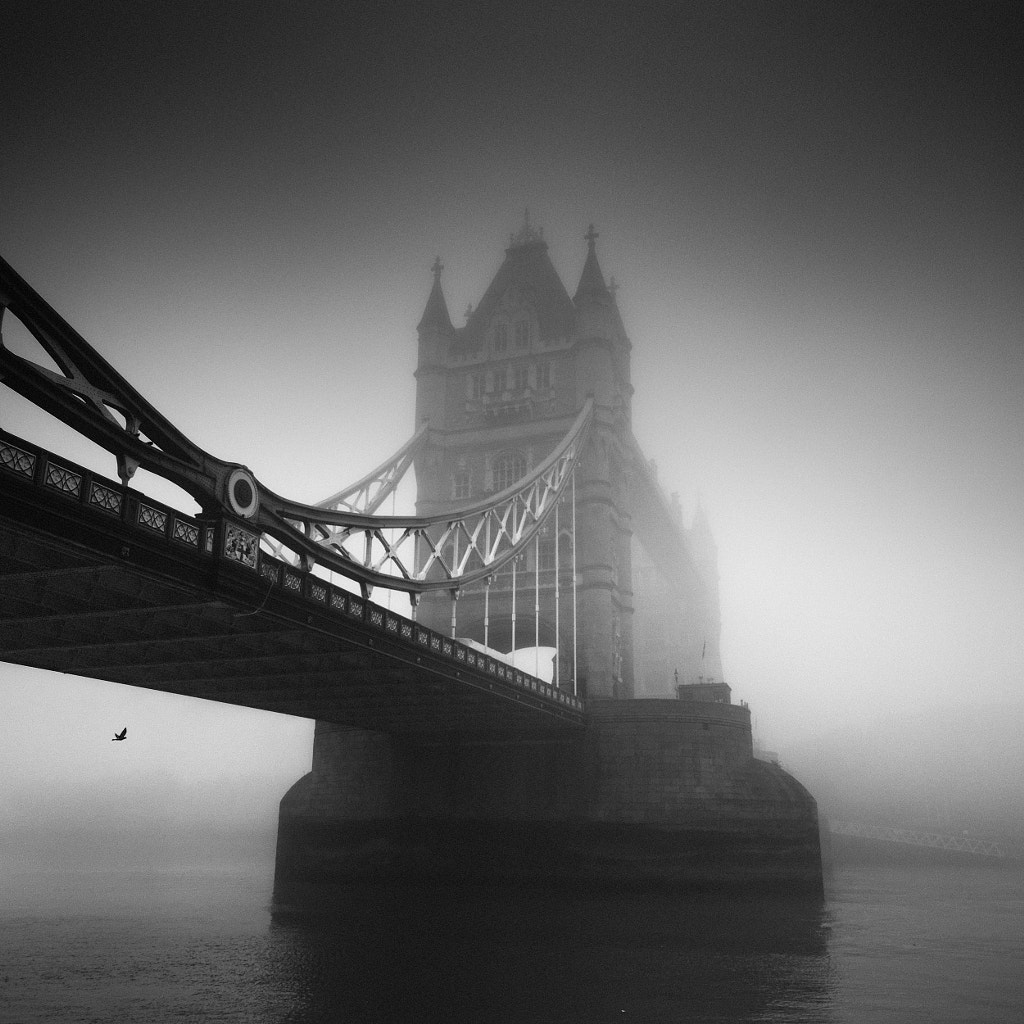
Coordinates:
499 394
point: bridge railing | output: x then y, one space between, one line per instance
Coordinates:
81 496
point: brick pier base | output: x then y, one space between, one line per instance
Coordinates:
649 793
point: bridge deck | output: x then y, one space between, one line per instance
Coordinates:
97 580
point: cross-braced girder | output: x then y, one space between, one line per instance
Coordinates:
447 550
411 554
368 493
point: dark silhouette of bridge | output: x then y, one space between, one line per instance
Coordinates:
99 580
538 524
262 601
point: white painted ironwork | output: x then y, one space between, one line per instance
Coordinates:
536 603
368 493
515 563
574 587
447 550
558 582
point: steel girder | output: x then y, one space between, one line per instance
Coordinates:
368 493
411 554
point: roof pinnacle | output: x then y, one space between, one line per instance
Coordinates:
592 280
435 316
527 233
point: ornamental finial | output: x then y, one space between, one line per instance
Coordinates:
591 236
527 233
437 267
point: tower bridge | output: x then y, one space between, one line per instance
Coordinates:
538 524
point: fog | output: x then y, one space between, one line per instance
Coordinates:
815 221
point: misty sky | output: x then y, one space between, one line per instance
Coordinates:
815 217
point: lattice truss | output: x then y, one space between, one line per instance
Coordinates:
368 493
412 554
916 837
451 549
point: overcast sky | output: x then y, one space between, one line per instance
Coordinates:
815 217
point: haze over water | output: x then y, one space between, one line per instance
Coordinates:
815 219
938 946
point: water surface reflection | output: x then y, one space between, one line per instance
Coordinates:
416 953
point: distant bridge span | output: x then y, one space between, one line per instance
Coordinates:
965 843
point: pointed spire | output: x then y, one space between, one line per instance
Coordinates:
435 315
591 280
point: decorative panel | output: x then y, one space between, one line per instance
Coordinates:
241 545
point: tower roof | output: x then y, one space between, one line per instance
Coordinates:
528 271
435 315
591 280
594 301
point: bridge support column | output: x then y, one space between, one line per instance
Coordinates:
335 822
604 569
647 793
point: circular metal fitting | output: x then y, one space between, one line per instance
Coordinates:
242 494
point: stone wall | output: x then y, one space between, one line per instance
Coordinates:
650 792
655 760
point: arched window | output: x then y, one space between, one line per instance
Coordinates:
461 487
509 467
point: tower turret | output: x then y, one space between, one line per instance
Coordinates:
604 346
591 286
435 333
601 356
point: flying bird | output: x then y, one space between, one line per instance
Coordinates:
122 735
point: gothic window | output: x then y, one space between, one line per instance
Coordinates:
461 489
509 467
475 386
523 334
543 376
522 377
500 337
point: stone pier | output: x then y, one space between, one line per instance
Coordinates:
650 793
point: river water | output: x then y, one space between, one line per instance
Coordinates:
887 945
